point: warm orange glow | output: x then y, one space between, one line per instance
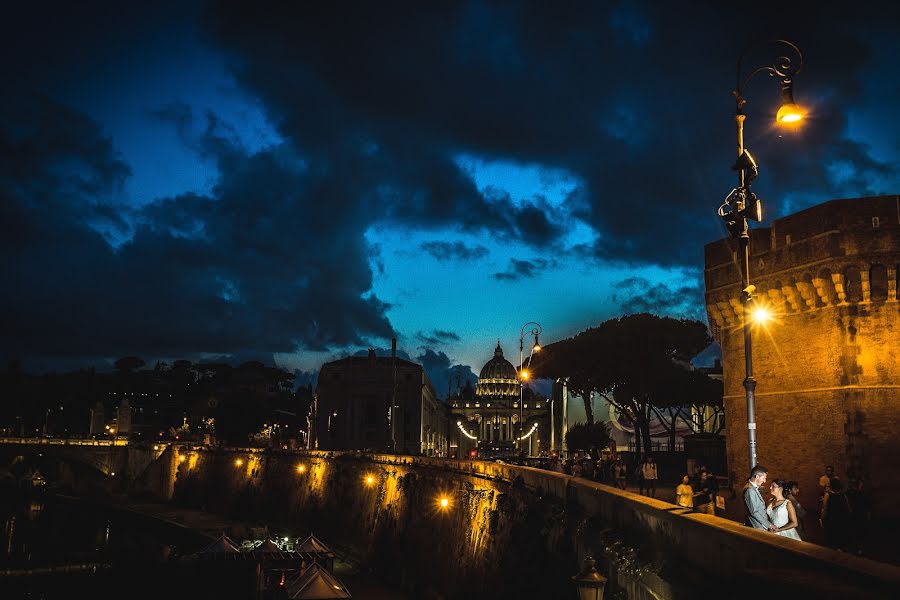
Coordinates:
761 314
444 502
537 348
370 481
238 462
790 113
524 374
182 458
301 468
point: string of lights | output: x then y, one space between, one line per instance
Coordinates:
464 432
527 435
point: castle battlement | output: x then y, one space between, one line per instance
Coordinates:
839 252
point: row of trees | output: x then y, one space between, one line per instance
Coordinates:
639 364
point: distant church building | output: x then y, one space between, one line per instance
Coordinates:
352 407
489 420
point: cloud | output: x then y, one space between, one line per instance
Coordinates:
444 251
274 257
443 374
523 269
437 337
639 295
529 83
222 274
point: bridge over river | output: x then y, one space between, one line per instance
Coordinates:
501 531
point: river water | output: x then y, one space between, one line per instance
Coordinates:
44 533
117 554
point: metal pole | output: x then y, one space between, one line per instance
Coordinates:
521 385
746 298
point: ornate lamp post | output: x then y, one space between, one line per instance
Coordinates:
589 583
742 204
536 330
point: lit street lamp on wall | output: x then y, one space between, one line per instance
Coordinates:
535 331
589 583
742 204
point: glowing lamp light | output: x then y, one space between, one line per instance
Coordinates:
238 462
182 458
790 113
301 468
445 503
524 375
370 481
536 348
761 314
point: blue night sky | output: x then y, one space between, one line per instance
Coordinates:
295 183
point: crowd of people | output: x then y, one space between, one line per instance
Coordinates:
843 510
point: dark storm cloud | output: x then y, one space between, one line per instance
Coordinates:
228 273
375 102
444 251
631 99
637 295
437 337
443 374
523 269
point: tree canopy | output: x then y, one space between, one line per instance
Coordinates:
638 363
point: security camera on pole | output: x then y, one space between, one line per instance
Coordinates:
742 204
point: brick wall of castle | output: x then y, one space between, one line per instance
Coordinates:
828 366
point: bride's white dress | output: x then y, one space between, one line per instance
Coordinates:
779 517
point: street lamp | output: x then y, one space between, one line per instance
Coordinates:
742 204
589 583
536 330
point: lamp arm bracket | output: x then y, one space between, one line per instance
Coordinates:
785 66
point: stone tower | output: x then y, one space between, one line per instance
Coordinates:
828 365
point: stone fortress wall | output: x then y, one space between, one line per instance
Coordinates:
828 365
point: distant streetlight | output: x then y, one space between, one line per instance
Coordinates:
589 583
370 480
742 204
301 469
535 331
444 503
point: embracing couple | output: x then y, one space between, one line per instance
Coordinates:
779 516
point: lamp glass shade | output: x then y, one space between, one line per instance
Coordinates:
789 113
589 583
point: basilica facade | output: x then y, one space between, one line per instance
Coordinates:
489 419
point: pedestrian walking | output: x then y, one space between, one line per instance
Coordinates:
651 474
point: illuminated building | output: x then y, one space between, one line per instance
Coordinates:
489 420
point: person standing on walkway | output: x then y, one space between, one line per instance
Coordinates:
781 512
621 471
650 474
684 493
706 491
754 505
793 494
837 516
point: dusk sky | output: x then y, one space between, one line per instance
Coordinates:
294 182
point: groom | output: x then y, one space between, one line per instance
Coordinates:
754 504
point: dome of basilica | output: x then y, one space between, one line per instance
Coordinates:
498 377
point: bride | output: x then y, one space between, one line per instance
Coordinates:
781 512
